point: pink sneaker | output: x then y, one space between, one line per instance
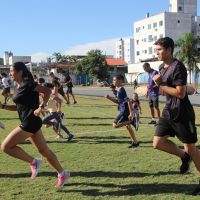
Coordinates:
62 179
35 168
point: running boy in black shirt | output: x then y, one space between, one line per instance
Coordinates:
178 117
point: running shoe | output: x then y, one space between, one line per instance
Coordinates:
152 122
2 126
70 137
133 145
62 179
186 160
35 168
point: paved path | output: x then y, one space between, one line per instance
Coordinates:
100 92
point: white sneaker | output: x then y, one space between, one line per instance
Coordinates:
59 137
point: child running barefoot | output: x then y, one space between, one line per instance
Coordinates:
55 116
136 110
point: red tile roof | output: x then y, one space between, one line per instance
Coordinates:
116 62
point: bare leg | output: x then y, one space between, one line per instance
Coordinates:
121 124
9 145
131 134
158 112
152 112
66 98
40 143
163 144
73 97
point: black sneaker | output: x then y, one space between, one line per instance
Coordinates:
196 191
186 160
70 137
133 145
152 122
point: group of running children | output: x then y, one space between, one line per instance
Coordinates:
52 113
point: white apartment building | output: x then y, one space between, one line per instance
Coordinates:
181 18
125 50
9 59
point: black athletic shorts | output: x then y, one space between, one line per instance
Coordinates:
32 124
61 91
153 101
69 90
184 131
121 118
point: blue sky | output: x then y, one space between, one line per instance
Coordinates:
34 27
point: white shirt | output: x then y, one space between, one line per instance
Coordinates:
6 82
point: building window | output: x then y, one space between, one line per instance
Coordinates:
161 35
155 38
150 50
149 26
120 46
145 39
155 25
145 51
150 39
180 8
178 21
138 53
160 23
137 29
137 41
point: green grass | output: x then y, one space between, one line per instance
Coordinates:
101 165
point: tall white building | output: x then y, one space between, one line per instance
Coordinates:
125 50
181 18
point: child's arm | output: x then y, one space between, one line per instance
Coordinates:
111 98
131 116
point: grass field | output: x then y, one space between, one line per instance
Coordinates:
101 164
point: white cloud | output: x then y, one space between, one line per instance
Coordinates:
106 46
39 56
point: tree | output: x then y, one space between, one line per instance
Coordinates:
188 52
94 65
64 58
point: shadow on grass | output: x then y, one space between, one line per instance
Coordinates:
10 118
121 174
93 174
108 124
131 189
24 175
90 118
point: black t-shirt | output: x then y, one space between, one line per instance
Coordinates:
175 108
26 99
68 80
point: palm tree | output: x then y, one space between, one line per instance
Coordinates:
187 52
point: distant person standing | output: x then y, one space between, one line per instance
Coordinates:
69 84
6 82
152 93
60 89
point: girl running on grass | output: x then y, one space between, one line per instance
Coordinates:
26 98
